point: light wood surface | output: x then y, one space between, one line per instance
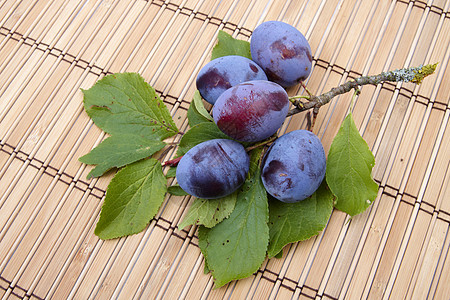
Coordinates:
49 50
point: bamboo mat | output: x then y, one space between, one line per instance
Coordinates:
397 249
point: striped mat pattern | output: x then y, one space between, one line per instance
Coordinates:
50 49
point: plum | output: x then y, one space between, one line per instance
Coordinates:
224 72
213 169
282 52
294 166
251 111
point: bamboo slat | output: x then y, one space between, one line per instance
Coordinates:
49 50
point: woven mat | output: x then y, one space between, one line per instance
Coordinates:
49 49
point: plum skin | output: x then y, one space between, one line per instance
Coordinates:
282 51
224 72
213 169
294 166
251 111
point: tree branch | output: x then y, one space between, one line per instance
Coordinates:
414 74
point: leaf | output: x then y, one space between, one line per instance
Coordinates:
293 222
176 190
202 245
197 112
236 247
119 150
279 255
172 172
125 103
209 212
127 108
349 168
198 104
132 199
197 134
227 45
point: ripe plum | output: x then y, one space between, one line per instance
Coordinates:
251 111
224 72
213 169
294 166
282 52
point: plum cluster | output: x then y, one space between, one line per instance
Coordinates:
250 104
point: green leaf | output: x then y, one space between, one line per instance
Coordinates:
119 150
125 103
198 134
279 255
209 212
197 112
293 222
132 199
202 244
227 45
172 172
349 170
127 108
205 269
236 247
176 190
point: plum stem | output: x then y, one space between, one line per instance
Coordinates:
306 90
173 162
263 143
413 74
315 113
293 98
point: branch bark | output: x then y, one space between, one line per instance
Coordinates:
414 74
